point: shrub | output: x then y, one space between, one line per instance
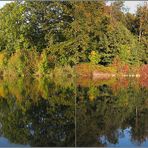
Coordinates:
16 64
94 57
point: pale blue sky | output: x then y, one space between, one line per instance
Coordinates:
130 4
2 3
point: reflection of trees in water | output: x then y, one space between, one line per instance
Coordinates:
39 113
140 127
99 121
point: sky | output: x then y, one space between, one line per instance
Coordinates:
2 3
130 4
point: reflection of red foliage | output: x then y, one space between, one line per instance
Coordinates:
144 82
144 75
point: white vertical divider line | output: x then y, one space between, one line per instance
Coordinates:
75 108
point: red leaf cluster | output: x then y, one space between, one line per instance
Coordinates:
144 76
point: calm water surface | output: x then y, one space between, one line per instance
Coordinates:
73 113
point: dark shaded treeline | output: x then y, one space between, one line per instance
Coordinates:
38 36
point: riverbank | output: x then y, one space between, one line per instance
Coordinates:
88 70
83 70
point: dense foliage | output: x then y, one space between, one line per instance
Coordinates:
38 36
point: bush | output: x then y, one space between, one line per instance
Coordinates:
94 57
16 64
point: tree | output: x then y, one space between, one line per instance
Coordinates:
142 29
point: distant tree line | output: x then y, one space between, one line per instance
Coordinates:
37 36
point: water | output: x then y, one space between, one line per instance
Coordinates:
112 113
72 113
36 113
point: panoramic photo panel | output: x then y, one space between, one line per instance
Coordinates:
74 73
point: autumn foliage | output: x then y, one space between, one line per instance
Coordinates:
144 75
